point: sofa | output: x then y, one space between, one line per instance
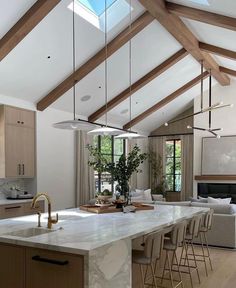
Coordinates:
223 232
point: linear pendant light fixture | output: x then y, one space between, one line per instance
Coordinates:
105 130
74 124
130 134
212 107
209 129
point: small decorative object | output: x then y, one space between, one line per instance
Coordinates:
121 170
103 198
128 209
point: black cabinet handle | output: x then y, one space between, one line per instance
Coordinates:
23 168
22 122
50 261
19 169
18 121
12 207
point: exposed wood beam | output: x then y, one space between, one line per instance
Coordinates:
202 16
139 84
218 50
25 25
166 100
127 34
179 30
228 71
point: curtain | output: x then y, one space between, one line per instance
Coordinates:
187 167
85 182
157 145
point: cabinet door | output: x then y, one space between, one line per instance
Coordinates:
13 151
27 151
53 269
12 268
19 117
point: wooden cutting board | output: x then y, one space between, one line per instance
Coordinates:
112 209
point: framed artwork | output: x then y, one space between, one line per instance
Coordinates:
219 155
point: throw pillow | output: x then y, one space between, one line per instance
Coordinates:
157 197
147 195
219 200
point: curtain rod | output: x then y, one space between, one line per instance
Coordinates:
152 136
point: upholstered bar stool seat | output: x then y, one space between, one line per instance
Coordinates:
153 246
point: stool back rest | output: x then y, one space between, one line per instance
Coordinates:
195 225
207 223
154 245
178 233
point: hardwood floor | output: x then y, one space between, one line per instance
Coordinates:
222 276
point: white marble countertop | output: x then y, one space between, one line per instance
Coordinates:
83 232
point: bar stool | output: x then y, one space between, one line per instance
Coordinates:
153 247
192 232
171 244
205 227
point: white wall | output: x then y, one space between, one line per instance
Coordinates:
223 118
55 155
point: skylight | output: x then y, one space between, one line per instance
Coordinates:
201 2
93 11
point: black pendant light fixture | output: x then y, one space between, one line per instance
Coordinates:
74 124
210 108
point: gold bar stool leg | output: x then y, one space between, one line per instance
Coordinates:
203 253
208 252
195 262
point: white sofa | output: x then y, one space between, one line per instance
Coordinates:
223 232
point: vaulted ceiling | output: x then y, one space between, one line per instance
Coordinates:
42 60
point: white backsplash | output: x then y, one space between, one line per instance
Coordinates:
6 184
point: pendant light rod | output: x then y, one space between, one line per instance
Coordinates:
210 99
201 85
73 56
130 65
106 56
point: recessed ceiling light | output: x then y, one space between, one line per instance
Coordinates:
85 98
124 111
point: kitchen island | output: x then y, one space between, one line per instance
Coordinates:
100 244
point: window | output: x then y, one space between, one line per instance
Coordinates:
93 11
112 149
173 165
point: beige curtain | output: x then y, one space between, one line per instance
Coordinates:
187 167
85 183
157 145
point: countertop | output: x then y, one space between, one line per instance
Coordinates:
83 232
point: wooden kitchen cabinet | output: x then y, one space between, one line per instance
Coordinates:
53 269
12 268
23 267
20 209
17 142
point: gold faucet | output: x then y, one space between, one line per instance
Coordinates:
50 219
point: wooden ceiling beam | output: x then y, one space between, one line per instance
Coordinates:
25 25
127 34
202 16
218 50
139 84
165 101
228 71
175 26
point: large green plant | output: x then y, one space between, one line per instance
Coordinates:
121 170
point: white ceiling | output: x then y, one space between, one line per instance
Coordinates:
26 73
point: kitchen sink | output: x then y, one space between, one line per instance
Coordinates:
30 232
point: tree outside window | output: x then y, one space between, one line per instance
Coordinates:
111 149
173 165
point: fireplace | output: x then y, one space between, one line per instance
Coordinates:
217 190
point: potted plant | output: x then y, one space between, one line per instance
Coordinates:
121 170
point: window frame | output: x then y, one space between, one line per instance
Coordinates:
174 157
99 145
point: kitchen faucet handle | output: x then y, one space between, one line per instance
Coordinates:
54 221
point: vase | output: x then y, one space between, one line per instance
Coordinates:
123 188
